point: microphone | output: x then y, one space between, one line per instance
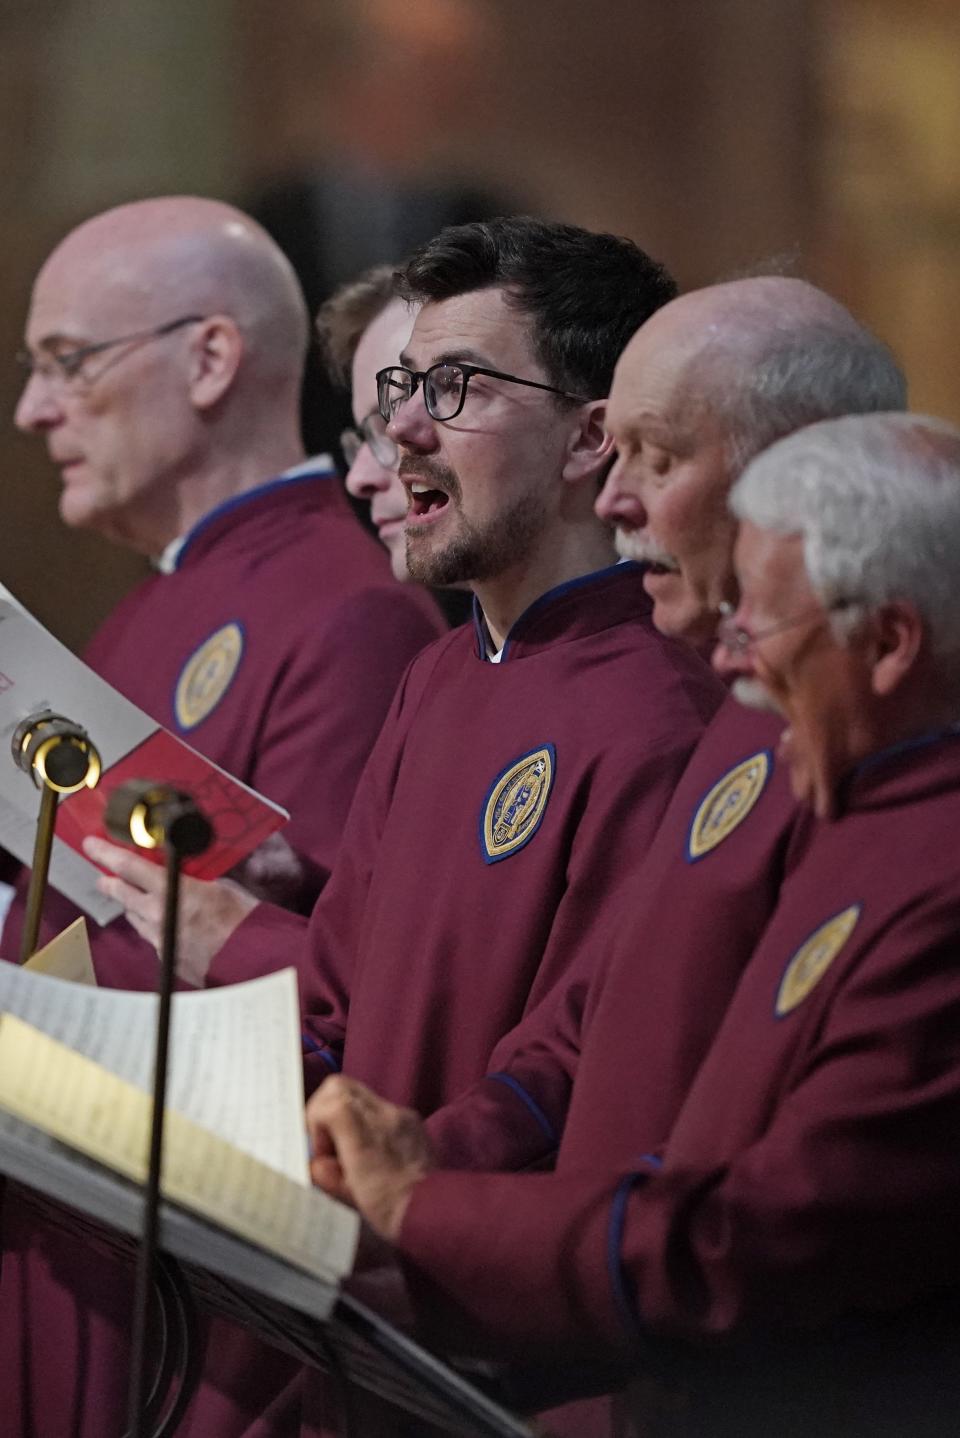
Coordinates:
60 758
55 752
153 815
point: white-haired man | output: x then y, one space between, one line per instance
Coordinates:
788 1261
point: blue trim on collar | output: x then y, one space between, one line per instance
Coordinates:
239 500
624 1289
628 566
479 630
530 1103
906 746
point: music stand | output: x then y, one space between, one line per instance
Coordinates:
288 1308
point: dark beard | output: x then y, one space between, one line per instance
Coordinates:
479 552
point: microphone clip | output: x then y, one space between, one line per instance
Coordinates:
57 753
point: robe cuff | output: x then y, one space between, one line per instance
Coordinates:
500 1260
496 1126
258 946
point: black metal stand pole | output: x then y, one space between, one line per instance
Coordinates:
42 846
146 1258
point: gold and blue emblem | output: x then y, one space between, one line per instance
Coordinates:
728 803
813 959
516 803
207 675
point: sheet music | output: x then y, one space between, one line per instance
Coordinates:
38 672
235 1066
85 1106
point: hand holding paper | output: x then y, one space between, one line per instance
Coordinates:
209 911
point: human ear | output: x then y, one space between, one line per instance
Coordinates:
590 448
897 633
215 358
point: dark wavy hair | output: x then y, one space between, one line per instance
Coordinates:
584 293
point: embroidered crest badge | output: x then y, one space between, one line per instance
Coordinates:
728 804
516 803
813 958
206 676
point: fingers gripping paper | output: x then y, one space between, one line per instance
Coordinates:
37 672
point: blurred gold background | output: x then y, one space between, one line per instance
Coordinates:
721 134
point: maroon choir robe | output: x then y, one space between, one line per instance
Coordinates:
790 1261
326 634
707 885
706 888
323 635
500 810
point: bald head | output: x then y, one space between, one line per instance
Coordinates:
706 383
762 357
144 263
168 339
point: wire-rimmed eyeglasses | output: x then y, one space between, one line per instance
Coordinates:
67 364
444 388
737 640
371 430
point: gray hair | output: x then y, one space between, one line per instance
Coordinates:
876 499
795 376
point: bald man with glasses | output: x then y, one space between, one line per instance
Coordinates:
165 345
271 637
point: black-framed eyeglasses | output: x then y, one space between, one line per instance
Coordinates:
372 430
740 641
444 388
66 365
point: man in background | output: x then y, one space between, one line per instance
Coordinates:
362 329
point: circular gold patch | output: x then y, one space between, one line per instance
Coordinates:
206 675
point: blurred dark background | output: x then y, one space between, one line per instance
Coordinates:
821 135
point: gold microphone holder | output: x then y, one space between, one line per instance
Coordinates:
60 758
155 816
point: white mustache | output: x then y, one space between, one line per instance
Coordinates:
752 693
638 545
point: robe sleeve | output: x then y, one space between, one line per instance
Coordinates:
845 1202
324 719
323 949
514 1116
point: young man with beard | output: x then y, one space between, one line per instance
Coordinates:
786 1262
709 381
487 829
